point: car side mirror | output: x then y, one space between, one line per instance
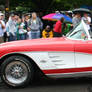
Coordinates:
85 37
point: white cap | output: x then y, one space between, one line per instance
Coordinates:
1 14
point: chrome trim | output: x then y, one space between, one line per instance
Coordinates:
70 75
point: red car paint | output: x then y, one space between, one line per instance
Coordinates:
54 44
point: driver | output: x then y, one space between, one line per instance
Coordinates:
76 19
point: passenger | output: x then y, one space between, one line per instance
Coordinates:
87 19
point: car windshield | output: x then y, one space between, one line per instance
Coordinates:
79 32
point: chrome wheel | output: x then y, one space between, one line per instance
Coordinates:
16 72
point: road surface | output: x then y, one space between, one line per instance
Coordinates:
52 85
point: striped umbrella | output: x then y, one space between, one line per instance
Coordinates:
56 17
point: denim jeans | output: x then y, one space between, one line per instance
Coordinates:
12 37
1 39
22 36
35 34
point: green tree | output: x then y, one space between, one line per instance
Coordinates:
47 5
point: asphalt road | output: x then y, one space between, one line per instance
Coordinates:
52 85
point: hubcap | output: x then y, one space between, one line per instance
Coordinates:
16 72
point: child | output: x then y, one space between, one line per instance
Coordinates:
47 32
22 31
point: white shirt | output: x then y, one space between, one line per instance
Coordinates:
11 26
1 29
22 30
88 19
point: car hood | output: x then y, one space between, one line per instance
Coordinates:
32 45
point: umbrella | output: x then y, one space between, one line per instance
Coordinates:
56 17
81 10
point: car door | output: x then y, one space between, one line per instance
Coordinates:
83 48
63 55
83 54
83 58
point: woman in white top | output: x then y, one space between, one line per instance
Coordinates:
87 19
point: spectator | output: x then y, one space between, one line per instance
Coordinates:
2 28
21 31
11 28
66 27
5 34
16 17
87 20
47 32
76 20
26 21
58 28
35 25
17 27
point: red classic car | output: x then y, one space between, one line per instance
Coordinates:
69 56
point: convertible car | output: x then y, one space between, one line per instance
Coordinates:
64 57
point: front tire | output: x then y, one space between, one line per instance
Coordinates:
17 71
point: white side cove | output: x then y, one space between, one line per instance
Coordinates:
52 60
83 60
60 60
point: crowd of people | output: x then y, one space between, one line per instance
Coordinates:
76 19
25 27
20 28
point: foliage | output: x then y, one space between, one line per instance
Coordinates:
46 5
